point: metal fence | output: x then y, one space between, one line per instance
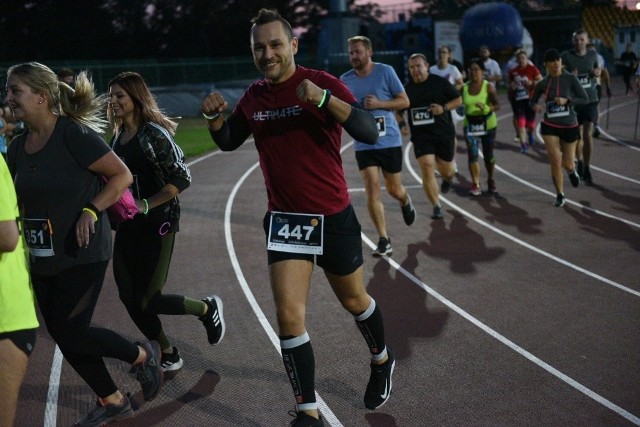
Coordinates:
202 70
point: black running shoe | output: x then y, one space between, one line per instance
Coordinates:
384 247
574 178
437 212
103 414
491 185
445 186
380 383
302 419
172 361
213 319
149 372
587 176
408 212
559 200
581 169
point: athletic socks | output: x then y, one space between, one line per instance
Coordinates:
299 362
371 326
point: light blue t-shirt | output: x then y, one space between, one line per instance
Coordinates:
383 82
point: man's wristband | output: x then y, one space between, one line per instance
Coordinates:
444 107
325 98
211 117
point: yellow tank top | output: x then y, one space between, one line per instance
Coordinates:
470 108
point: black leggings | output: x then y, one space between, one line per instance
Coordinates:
141 258
67 302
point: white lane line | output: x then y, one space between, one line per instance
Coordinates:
51 408
514 239
567 200
513 346
53 391
611 137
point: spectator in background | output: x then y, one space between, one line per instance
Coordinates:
67 75
377 87
299 113
602 80
629 62
521 80
583 64
492 71
18 320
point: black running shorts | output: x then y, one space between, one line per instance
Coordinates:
24 339
342 253
565 134
389 159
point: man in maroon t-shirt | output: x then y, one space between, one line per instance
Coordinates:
296 116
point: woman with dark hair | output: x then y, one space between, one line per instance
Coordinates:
480 101
559 127
143 138
55 164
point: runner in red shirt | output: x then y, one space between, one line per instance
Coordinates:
522 79
296 116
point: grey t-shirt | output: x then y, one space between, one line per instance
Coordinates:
583 65
53 186
564 86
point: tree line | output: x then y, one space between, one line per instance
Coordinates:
115 29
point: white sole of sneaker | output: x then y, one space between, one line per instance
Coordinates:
174 366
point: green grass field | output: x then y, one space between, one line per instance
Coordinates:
193 137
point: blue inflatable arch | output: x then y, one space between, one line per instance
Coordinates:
497 25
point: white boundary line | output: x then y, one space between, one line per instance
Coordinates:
51 406
50 415
553 371
328 415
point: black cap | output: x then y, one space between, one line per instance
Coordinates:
551 55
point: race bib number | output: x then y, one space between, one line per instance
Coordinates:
296 233
556 110
477 126
522 94
584 80
39 236
382 125
421 116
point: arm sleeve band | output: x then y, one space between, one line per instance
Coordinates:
361 126
231 135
